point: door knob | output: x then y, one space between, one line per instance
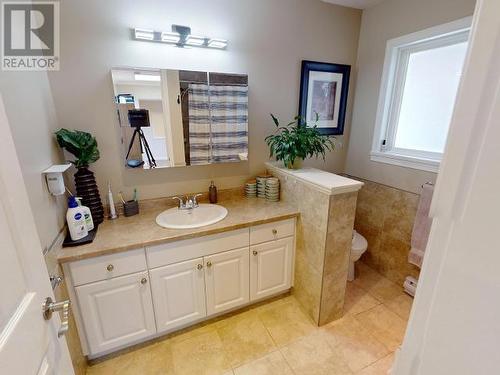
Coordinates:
49 306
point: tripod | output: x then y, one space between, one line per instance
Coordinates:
143 142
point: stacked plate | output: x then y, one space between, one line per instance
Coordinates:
273 189
251 188
261 185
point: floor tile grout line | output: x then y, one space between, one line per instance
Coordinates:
267 330
276 349
371 364
286 361
379 274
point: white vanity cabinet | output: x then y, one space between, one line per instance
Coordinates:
271 265
227 280
128 297
178 293
116 312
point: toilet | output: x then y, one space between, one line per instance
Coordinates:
359 246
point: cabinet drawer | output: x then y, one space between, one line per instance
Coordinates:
107 266
272 231
178 251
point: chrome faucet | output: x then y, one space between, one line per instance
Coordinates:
189 203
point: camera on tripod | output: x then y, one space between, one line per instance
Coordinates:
138 119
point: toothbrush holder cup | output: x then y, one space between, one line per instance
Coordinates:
131 208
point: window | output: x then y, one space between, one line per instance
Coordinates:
422 72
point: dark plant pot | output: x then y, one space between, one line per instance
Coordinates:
86 188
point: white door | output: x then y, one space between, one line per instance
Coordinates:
270 268
178 294
454 326
226 278
28 343
116 312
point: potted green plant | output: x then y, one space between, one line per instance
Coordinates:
84 147
296 141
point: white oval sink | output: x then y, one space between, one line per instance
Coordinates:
204 214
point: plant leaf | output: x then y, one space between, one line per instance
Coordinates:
81 144
276 121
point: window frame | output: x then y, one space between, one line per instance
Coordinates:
397 55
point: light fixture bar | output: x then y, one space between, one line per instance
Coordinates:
168 37
144 34
180 36
193 40
217 43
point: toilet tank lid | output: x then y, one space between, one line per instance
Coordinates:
358 241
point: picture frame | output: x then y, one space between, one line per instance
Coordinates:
323 89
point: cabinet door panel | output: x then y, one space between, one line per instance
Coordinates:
116 312
227 280
271 268
178 294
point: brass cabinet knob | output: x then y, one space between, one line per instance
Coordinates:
209 264
110 267
199 266
275 231
144 281
255 253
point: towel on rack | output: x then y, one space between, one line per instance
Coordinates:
421 227
199 124
229 123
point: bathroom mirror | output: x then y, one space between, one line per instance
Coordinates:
176 118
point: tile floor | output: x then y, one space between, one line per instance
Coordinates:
277 338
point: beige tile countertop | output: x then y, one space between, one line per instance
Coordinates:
126 233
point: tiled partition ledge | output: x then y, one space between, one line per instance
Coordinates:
327 206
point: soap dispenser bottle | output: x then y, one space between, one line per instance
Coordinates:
212 193
87 214
76 220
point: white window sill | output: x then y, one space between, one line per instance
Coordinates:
424 164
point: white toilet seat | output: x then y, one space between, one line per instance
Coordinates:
358 247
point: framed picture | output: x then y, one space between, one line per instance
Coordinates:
323 90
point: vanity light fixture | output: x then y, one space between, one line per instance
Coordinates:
180 36
144 34
147 77
168 37
217 43
193 40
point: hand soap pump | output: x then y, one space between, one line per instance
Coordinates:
86 214
212 193
76 220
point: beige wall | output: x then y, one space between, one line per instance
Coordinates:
385 21
385 217
32 118
267 40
